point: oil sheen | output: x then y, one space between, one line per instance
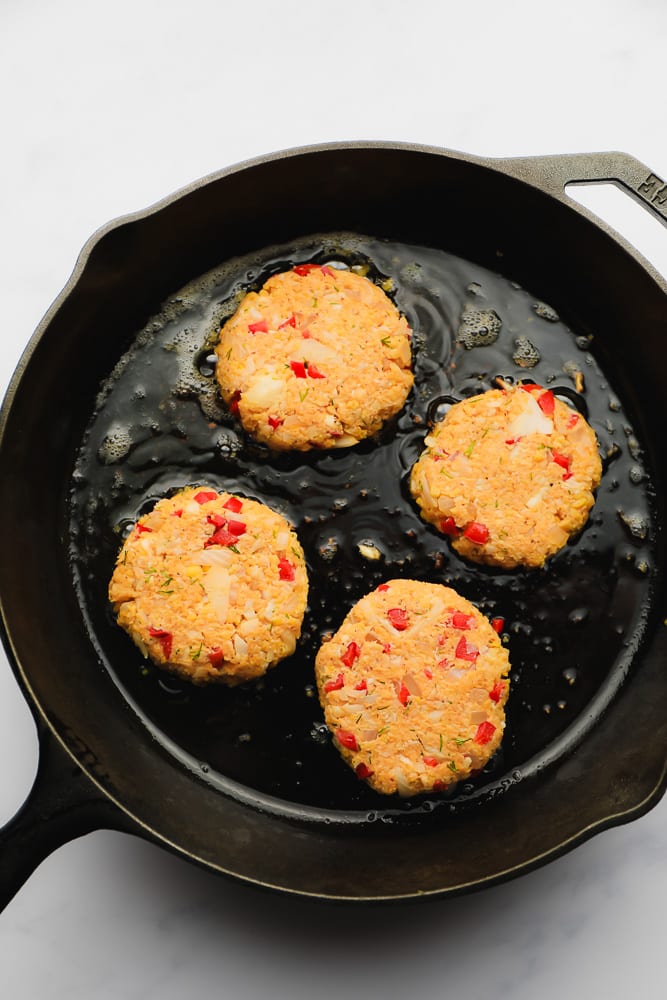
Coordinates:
572 628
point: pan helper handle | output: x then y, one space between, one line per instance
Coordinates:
554 173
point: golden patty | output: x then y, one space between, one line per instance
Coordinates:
319 358
509 475
413 687
211 586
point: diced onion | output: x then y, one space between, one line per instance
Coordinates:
240 647
217 584
531 420
264 390
213 556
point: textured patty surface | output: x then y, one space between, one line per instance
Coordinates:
318 358
211 586
413 687
509 475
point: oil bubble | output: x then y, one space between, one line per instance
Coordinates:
525 354
636 525
115 446
478 327
546 312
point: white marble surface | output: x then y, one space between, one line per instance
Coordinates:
105 109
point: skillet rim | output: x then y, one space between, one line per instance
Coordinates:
500 165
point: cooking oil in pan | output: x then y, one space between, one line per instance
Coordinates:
572 628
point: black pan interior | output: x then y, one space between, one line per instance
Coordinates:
159 425
182 764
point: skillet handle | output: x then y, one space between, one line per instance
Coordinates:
553 173
63 804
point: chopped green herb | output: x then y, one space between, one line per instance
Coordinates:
195 656
386 341
441 742
302 395
229 354
452 767
469 450
232 548
383 730
459 740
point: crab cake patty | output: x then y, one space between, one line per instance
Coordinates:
318 358
211 586
509 475
413 687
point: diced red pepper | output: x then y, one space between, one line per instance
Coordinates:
177 513
234 402
286 569
498 624
386 648
496 691
352 653
221 537
314 372
564 461
288 322
530 387
299 368
462 621
303 269
362 685
398 618
347 739
484 734
572 421
446 664
547 403
430 761
363 771
448 527
428 673
466 650
215 656
237 527
567 475
141 529
204 496
306 334
476 532
261 326
403 695
164 638
439 786
383 586
217 519
336 684
275 422
233 504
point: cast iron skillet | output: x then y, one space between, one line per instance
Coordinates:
101 764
